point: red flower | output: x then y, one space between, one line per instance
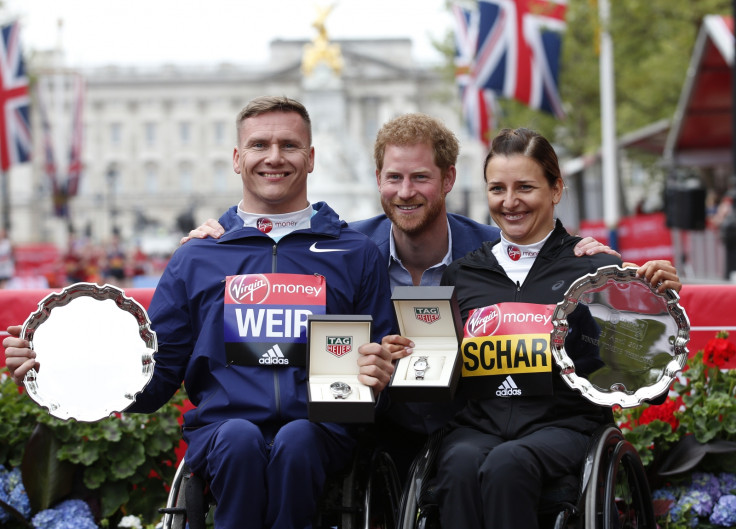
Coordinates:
718 352
665 412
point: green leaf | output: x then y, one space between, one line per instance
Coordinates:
113 496
94 477
46 478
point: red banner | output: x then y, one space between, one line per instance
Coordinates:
641 238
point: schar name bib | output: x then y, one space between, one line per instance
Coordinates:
506 351
266 317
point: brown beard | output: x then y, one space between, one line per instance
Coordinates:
432 211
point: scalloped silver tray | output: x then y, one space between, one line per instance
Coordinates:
95 348
641 341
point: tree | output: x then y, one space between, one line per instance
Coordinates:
653 41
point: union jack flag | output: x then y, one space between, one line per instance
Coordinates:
15 124
478 103
518 50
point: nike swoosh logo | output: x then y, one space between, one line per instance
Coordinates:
314 248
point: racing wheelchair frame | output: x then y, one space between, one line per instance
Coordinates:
363 496
611 491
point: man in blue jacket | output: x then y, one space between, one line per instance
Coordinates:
230 319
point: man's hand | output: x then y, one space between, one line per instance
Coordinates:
375 366
660 274
589 246
19 359
211 228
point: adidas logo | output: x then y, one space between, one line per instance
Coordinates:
508 388
273 356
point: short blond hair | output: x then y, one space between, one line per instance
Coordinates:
265 104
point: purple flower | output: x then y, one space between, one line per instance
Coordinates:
724 512
13 493
698 501
70 514
667 493
706 482
19 500
728 483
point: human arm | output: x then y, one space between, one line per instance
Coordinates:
660 273
19 357
211 228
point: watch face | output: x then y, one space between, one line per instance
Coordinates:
421 364
340 390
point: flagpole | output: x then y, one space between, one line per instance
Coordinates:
608 127
4 189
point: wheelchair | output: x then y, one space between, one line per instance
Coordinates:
611 492
363 496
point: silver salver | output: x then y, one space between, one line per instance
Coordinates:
95 348
630 340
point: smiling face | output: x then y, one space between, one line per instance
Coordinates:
412 187
520 198
273 158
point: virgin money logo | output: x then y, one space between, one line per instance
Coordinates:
251 289
514 253
264 224
483 321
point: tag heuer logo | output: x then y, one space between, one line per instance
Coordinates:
427 314
339 345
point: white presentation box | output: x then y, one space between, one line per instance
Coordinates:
332 353
430 317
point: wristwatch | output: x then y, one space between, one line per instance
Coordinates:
420 366
340 390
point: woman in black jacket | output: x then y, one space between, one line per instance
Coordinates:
522 426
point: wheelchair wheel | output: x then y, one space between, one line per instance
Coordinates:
418 508
363 496
382 493
187 506
617 493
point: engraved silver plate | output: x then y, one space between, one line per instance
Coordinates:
95 348
629 340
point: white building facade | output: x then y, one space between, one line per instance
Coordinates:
158 142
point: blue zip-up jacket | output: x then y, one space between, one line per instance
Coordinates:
187 315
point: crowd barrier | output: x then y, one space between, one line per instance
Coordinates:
710 308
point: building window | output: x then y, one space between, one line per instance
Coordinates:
150 134
185 132
219 132
116 133
185 178
222 174
151 178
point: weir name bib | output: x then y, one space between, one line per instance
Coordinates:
266 317
506 351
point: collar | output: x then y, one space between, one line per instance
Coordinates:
393 256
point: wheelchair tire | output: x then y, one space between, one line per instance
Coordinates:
617 492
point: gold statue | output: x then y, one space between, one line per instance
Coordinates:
320 50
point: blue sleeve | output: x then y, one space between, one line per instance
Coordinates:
374 297
169 314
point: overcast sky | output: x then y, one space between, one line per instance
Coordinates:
148 32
